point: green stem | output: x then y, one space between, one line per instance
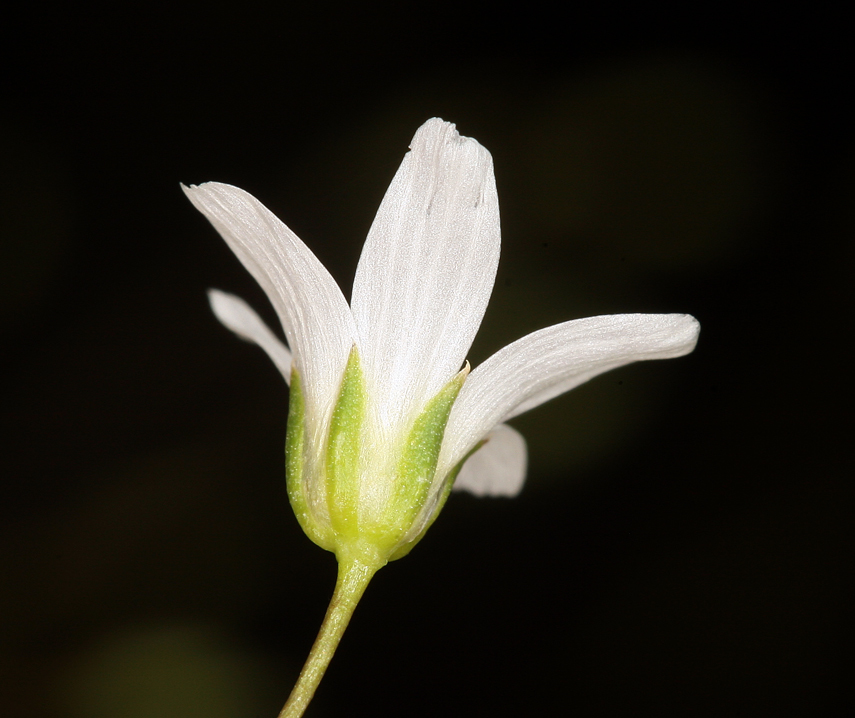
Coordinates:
353 578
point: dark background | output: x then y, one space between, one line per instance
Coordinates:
684 542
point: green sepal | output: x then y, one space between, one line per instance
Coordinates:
342 454
403 550
415 473
295 463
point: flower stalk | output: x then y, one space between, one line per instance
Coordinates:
353 579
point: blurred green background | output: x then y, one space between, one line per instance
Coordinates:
684 542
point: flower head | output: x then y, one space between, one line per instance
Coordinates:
384 413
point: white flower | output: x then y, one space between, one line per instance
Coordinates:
383 412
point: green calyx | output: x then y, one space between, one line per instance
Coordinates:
331 491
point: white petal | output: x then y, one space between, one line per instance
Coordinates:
236 314
498 467
314 314
427 269
551 361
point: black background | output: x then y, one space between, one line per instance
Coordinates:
684 541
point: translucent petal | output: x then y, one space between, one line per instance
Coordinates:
427 270
314 314
551 361
236 314
498 467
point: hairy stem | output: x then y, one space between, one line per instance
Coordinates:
353 578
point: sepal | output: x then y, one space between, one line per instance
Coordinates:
295 466
343 449
415 474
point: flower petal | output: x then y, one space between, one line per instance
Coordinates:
314 314
427 270
236 314
498 467
549 362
